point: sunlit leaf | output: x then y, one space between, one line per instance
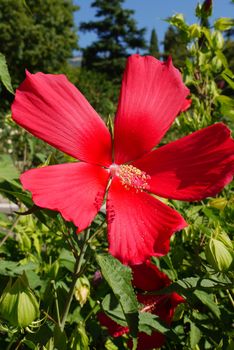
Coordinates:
119 278
4 74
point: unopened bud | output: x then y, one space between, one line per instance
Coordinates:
218 255
217 40
18 304
97 278
195 31
82 290
224 238
207 5
219 203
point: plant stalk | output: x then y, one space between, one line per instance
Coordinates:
76 274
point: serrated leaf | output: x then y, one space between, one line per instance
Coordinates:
119 278
4 74
113 309
149 322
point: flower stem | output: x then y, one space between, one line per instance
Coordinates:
56 302
76 274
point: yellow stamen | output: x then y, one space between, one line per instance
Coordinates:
132 177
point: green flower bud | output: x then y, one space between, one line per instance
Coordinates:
82 290
218 255
18 304
195 31
216 64
217 40
219 203
223 237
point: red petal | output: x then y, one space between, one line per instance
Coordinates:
149 342
193 167
161 305
148 277
76 190
52 109
186 105
114 328
139 225
152 95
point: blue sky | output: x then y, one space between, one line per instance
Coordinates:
151 14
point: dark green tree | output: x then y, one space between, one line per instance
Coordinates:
175 46
39 36
117 37
153 47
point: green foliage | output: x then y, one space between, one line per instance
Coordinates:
39 37
205 69
153 47
119 279
4 74
7 171
117 34
47 257
173 39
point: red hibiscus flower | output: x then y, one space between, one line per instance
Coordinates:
152 95
147 277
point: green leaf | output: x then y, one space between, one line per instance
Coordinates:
67 260
8 171
149 322
222 58
195 335
13 268
224 23
29 343
4 74
228 76
227 106
119 278
207 300
80 339
113 309
60 341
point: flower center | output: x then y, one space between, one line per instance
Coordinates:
130 176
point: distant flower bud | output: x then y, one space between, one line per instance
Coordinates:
18 304
207 5
219 203
97 278
217 40
195 31
218 255
82 290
